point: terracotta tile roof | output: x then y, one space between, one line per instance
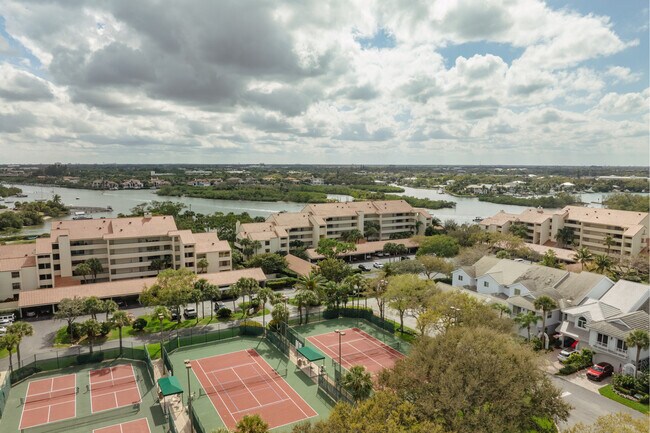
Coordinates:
114 228
112 289
612 217
43 246
299 266
209 242
13 251
186 236
352 207
17 263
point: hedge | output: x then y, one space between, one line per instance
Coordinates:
280 283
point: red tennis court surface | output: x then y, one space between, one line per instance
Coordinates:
138 426
357 348
242 383
113 387
49 400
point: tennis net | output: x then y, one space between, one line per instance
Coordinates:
50 395
112 383
379 350
95 418
240 384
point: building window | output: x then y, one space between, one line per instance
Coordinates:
549 314
267 243
517 292
224 263
45 277
43 266
15 274
460 278
15 286
621 346
602 339
486 284
582 322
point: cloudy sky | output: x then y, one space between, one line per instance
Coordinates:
399 82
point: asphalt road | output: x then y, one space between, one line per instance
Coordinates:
588 405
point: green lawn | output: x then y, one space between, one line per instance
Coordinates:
607 391
62 339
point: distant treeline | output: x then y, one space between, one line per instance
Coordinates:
632 202
6 191
558 201
298 193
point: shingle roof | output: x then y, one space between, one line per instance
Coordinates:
621 325
626 295
593 310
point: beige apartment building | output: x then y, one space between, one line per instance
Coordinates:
591 227
127 248
332 220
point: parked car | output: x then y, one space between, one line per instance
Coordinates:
30 314
600 371
377 265
120 303
564 354
7 319
364 268
173 314
218 306
403 258
190 313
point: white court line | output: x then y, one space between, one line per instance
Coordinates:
364 357
264 405
246 386
228 368
218 395
395 355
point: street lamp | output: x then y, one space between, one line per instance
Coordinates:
382 285
188 367
161 316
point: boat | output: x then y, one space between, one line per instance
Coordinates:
21 195
76 198
477 219
109 208
81 216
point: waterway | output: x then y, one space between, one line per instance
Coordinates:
122 201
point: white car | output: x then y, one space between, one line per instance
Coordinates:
565 353
3 330
377 265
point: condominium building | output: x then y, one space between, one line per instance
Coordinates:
608 231
127 248
332 221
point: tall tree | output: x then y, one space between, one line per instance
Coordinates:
9 342
264 294
91 328
526 320
252 424
331 248
110 307
564 236
202 265
173 289
121 319
583 256
305 299
83 270
93 306
69 310
444 378
333 269
96 268
313 282
549 259
614 422
21 330
358 381
609 242
434 265
501 308
377 289
247 287
546 304
640 340
602 263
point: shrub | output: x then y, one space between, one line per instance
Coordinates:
537 343
139 324
568 369
642 382
224 313
645 399
623 381
106 328
280 283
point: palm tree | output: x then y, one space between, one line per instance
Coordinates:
246 286
526 320
501 308
546 304
609 241
313 282
92 328
564 236
20 329
358 381
56 199
583 256
110 307
264 294
640 339
121 319
83 270
95 267
202 264
602 263
9 342
252 424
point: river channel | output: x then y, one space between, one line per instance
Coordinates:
122 201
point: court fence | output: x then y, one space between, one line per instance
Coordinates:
56 360
334 391
149 362
198 427
4 392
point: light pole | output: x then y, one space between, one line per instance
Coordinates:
382 286
341 334
160 319
188 367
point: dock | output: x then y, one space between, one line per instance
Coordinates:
90 209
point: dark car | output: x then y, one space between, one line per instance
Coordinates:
364 268
173 314
600 371
218 306
403 258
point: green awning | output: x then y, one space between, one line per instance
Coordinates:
170 386
311 354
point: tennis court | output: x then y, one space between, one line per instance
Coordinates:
49 400
357 348
242 383
138 426
113 387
